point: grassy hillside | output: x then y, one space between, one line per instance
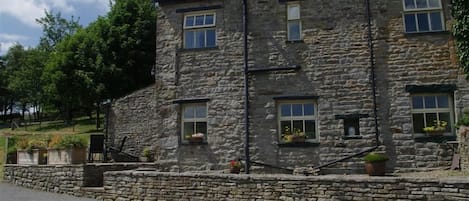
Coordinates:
82 126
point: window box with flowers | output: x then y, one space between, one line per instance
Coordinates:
297 136
437 129
196 138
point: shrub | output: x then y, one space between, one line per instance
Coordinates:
54 142
375 157
72 141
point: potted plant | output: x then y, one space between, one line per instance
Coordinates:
68 149
235 166
293 137
438 128
31 151
375 164
147 155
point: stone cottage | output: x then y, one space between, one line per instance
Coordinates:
342 73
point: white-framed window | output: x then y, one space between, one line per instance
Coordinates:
199 30
428 109
194 121
423 16
293 21
297 116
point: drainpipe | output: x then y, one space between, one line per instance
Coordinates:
373 89
246 89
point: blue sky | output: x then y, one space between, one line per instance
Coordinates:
17 18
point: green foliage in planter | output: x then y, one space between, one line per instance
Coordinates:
146 152
375 157
71 141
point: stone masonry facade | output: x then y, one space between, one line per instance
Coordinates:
330 66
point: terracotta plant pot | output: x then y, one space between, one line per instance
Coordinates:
376 168
196 139
235 170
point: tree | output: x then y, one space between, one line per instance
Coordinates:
460 12
55 28
131 43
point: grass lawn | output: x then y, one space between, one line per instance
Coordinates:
81 125
2 155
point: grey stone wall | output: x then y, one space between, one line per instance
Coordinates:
188 186
335 67
464 147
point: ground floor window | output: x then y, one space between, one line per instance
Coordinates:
432 112
194 122
297 119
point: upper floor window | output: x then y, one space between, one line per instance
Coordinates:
199 30
294 21
297 118
194 122
423 16
432 110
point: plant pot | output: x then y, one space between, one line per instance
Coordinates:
33 157
66 156
375 168
235 170
298 139
196 140
146 159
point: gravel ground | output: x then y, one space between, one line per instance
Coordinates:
9 192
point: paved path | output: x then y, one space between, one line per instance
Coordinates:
10 192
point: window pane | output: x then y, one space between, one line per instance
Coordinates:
418 123
201 127
201 112
293 12
430 102
284 126
190 21
443 101
421 3
294 30
410 24
189 112
310 129
417 102
409 4
298 125
209 19
211 38
434 3
309 109
188 128
435 19
431 119
446 117
297 109
200 39
199 20
422 18
189 39
285 110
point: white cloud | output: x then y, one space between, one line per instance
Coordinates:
27 11
12 37
4 46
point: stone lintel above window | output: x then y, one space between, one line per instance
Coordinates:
293 97
433 88
267 69
195 9
352 116
196 100
286 1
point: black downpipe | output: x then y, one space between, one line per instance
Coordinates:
373 73
247 163
373 88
